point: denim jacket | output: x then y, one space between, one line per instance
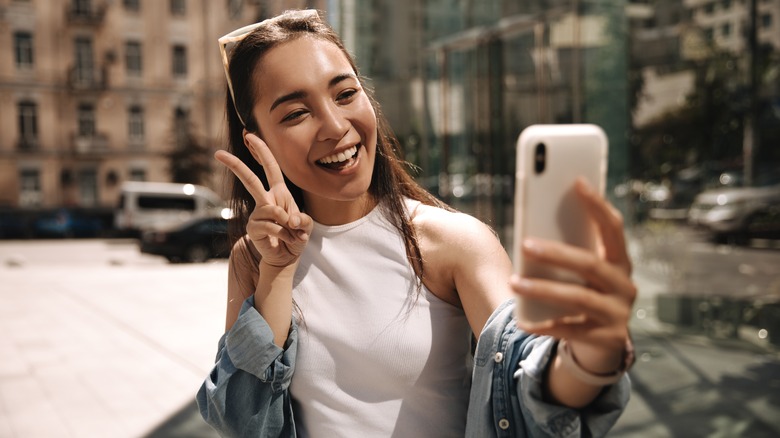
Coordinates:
247 392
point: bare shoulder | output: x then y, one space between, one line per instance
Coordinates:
464 261
453 231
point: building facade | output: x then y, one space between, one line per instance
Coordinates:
97 92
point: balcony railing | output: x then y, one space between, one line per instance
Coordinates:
89 16
27 144
94 144
83 79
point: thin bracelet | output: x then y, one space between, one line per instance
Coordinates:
570 362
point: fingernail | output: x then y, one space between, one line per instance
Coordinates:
520 283
532 246
295 221
584 186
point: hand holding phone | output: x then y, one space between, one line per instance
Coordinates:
550 159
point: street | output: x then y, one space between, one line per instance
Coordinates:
100 340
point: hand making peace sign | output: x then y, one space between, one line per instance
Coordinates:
278 229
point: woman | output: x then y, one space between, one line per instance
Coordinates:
353 294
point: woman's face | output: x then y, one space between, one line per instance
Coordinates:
317 120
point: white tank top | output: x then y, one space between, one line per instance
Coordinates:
375 359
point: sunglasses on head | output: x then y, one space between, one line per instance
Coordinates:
228 41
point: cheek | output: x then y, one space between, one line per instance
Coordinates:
366 118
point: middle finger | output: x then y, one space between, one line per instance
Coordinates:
597 272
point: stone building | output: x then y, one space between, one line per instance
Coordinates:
97 92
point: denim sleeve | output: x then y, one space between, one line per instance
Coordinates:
507 388
246 394
545 419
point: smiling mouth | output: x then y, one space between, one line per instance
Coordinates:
340 160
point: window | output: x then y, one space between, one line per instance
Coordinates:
137 174
28 124
88 187
84 59
133 61
235 7
181 122
178 7
766 20
29 187
86 120
725 29
132 5
135 123
23 49
709 8
179 61
152 202
81 7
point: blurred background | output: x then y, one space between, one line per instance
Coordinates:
110 111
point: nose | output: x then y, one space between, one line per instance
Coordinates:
333 124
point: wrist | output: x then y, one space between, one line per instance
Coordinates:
267 267
597 369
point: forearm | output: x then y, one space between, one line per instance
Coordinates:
273 298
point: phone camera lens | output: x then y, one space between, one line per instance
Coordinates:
540 158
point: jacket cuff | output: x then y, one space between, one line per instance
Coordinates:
600 414
250 346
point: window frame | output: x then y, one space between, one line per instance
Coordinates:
24 54
134 58
27 117
179 65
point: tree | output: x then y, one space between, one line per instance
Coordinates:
190 158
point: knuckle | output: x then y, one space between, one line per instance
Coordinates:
586 299
591 264
632 292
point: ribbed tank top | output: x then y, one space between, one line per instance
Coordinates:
375 358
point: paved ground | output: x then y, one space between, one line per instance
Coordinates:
97 340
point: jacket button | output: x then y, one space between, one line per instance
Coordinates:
503 424
498 357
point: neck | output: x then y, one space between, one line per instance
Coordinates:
332 212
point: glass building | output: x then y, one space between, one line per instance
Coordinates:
459 80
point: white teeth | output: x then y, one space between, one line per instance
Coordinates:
340 157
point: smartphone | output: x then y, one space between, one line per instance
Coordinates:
550 158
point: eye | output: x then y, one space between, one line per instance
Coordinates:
346 96
295 115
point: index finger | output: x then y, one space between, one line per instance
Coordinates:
610 225
244 174
270 166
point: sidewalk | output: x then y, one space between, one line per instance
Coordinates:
99 341
110 347
690 385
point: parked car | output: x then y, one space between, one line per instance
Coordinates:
148 205
194 241
66 224
737 214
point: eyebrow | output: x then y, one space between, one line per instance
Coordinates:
295 95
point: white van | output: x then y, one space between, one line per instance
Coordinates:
152 205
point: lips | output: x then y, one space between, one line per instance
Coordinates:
341 159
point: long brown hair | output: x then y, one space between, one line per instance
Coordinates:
390 182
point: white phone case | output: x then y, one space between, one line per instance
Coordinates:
546 205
